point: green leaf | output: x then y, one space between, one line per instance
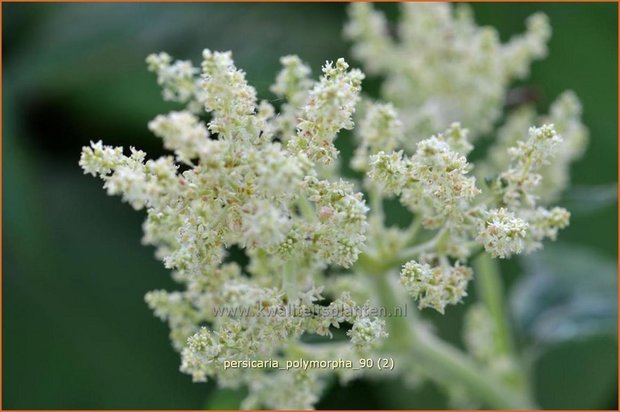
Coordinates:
582 200
567 292
565 307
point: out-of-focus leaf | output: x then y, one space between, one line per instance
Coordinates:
566 292
565 306
587 199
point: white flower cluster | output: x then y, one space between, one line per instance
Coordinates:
367 332
503 233
292 84
183 133
443 68
328 109
244 188
434 182
380 129
177 79
248 176
565 115
442 72
435 287
503 217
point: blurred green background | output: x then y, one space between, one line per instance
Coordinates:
76 332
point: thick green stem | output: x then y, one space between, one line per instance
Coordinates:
490 291
448 364
454 366
399 327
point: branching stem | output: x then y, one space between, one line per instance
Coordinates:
449 364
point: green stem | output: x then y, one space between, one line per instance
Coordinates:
490 290
410 253
449 364
413 230
399 327
452 366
